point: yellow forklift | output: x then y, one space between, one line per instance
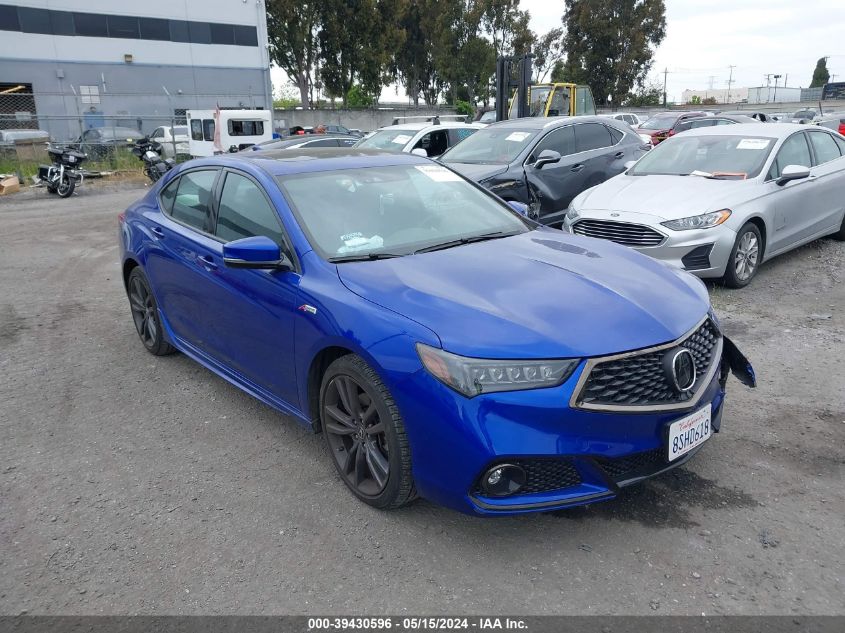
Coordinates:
515 92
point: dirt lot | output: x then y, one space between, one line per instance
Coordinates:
134 484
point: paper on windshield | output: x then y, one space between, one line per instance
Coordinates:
753 143
517 137
401 139
438 173
357 242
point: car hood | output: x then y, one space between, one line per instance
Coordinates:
477 172
541 294
665 197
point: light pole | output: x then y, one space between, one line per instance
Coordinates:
775 97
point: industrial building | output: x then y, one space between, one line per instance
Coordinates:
66 66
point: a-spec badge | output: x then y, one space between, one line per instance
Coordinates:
307 308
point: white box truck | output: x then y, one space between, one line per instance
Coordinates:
217 131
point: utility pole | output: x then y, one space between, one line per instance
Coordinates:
730 81
775 98
768 77
665 73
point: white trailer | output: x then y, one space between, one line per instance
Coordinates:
217 131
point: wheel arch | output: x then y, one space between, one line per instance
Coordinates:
757 221
129 265
314 379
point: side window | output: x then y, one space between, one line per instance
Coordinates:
584 103
208 129
434 143
159 133
460 133
323 142
794 151
561 140
245 128
615 135
168 195
725 122
841 143
192 204
589 136
196 129
245 212
824 147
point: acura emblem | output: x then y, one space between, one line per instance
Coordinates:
679 366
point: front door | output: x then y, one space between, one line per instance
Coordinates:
553 186
793 219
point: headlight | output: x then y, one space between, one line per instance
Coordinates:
704 221
571 213
474 376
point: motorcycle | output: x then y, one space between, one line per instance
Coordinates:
64 175
149 152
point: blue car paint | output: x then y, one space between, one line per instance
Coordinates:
542 294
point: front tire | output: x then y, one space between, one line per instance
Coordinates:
66 187
365 434
745 257
145 314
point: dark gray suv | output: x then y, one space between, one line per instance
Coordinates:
546 162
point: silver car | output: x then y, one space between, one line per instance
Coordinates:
719 201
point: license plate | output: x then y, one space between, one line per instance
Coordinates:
688 432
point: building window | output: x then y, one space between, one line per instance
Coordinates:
91 25
200 32
123 26
179 31
246 128
89 94
9 18
246 35
222 34
154 29
62 23
34 20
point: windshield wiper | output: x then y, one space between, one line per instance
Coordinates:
367 257
465 240
717 175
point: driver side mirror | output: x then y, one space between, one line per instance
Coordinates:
793 172
419 151
255 252
547 157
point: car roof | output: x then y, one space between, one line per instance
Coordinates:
303 138
306 160
424 125
751 129
540 123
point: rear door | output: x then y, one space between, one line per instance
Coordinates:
599 153
183 261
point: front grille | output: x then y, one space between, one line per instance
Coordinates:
640 380
635 465
698 258
544 475
619 232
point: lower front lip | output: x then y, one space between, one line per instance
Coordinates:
454 440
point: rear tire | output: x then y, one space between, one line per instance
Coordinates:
144 309
745 257
365 434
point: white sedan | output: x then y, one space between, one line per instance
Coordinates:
174 140
719 201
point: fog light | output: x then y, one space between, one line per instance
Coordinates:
502 480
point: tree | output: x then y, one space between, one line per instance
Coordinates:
695 100
559 71
357 42
464 57
292 34
609 43
548 51
820 75
414 61
507 26
647 94
709 101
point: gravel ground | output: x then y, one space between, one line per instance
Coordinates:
133 484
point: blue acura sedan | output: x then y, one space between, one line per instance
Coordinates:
445 346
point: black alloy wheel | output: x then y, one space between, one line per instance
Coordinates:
365 434
66 186
145 314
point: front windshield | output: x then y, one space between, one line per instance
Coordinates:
660 122
394 210
490 145
391 139
716 155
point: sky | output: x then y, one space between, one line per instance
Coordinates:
705 37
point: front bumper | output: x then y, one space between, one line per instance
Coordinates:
455 439
702 252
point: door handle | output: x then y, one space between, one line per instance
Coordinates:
206 262
619 155
158 232
577 167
